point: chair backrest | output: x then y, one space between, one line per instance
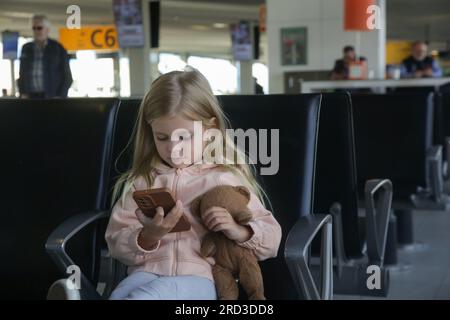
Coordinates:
291 189
336 179
393 133
122 150
442 119
56 157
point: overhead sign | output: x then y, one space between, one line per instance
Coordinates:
128 19
89 38
10 42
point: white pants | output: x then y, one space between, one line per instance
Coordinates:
150 286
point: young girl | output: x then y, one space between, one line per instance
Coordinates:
163 265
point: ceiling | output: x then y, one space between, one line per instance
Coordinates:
189 23
418 19
184 24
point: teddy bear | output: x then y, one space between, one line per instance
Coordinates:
232 260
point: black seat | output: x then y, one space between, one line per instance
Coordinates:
290 191
55 158
394 140
393 134
442 131
336 192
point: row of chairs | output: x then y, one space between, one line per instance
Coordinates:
330 146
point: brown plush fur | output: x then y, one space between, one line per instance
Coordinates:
232 260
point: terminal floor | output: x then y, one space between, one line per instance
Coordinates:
423 272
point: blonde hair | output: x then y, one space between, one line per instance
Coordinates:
188 94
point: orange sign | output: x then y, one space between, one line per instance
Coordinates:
355 14
89 38
262 17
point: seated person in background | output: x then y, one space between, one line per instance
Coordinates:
419 64
341 66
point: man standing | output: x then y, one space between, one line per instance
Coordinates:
419 64
44 65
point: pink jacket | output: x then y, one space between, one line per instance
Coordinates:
178 253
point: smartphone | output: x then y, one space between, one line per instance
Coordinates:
148 200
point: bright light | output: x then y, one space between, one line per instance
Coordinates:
221 73
170 62
124 77
85 55
219 25
261 73
91 77
5 79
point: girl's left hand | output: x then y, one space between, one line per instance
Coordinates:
219 219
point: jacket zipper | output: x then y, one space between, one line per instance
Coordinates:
175 245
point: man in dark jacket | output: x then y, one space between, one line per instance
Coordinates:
44 65
342 66
419 64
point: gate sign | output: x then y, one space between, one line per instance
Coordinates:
89 38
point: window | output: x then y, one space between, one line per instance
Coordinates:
221 73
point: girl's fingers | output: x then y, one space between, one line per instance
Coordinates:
159 216
214 209
217 221
174 215
142 217
220 227
215 214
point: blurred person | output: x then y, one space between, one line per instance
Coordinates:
258 88
44 64
341 66
419 64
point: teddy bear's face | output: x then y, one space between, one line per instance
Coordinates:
234 199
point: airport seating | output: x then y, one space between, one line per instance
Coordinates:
394 140
290 191
336 192
56 157
442 132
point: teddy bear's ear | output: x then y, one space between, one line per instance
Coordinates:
195 205
244 191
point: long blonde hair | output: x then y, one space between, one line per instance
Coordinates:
188 94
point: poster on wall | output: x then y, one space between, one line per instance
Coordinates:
128 20
241 39
293 46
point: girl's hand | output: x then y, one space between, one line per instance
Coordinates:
219 219
158 226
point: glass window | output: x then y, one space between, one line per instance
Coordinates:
261 73
124 65
170 62
223 82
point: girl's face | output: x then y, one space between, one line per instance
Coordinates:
176 153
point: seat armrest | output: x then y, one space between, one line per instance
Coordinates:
377 217
445 170
56 242
434 169
296 255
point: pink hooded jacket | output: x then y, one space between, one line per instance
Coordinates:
178 253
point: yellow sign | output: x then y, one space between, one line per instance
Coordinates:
397 50
89 38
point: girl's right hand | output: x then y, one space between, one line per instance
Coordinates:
158 226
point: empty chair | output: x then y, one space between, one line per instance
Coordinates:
56 157
442 132
393 135
336 192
